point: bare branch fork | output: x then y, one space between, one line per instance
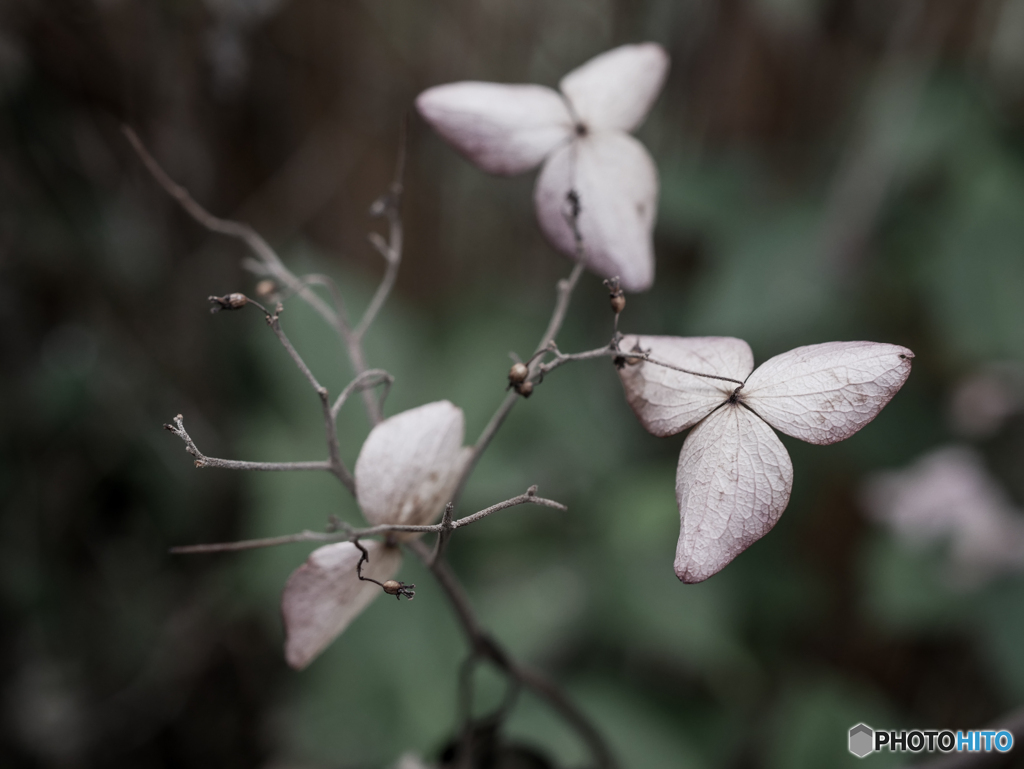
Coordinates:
268 263
350 533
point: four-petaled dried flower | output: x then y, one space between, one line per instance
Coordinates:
734 475
406 472
582 135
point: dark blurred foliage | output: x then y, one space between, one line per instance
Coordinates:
831 169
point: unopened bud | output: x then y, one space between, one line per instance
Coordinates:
228 302
266 288
518 373
524 389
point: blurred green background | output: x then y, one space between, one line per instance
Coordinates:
830 169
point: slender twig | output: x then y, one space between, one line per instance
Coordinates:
483 645
348 532
388 205
268 263
565 289
178 428
610 351
368 379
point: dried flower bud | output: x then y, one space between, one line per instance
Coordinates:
524 389
392 586
266 288
234 301
618 299
518 373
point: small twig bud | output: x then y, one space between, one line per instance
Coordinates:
618 299
518 373
234 301
398 589
524 388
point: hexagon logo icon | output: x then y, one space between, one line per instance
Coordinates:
862 738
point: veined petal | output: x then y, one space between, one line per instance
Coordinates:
732 485
324 595
616 89
824 393
409 465
503 129
617 185
667 401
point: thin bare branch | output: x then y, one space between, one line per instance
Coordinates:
483 645
347 532
388 205
178 428
565 289
368 379
268 263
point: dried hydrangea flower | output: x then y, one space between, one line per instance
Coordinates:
582 136
734 476
407 470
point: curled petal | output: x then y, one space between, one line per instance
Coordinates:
503 129
617 185
732 484
616 89
667 401
409 465
324 595
824 393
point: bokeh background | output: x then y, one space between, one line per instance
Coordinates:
830 169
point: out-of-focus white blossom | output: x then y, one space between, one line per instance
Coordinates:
948 494
984 400
582 136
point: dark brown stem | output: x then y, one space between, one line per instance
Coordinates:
483 645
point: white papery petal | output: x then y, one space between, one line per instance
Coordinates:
616 89
824 393
409 465
667 401
732 484
324 595
503 129
617 185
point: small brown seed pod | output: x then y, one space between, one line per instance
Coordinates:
518 373
266 288
524 389
234 301
618 303
392 587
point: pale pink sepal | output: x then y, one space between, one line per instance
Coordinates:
667 401
824 393
410 463
617 185
503 129
324 595
732 484
615 89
